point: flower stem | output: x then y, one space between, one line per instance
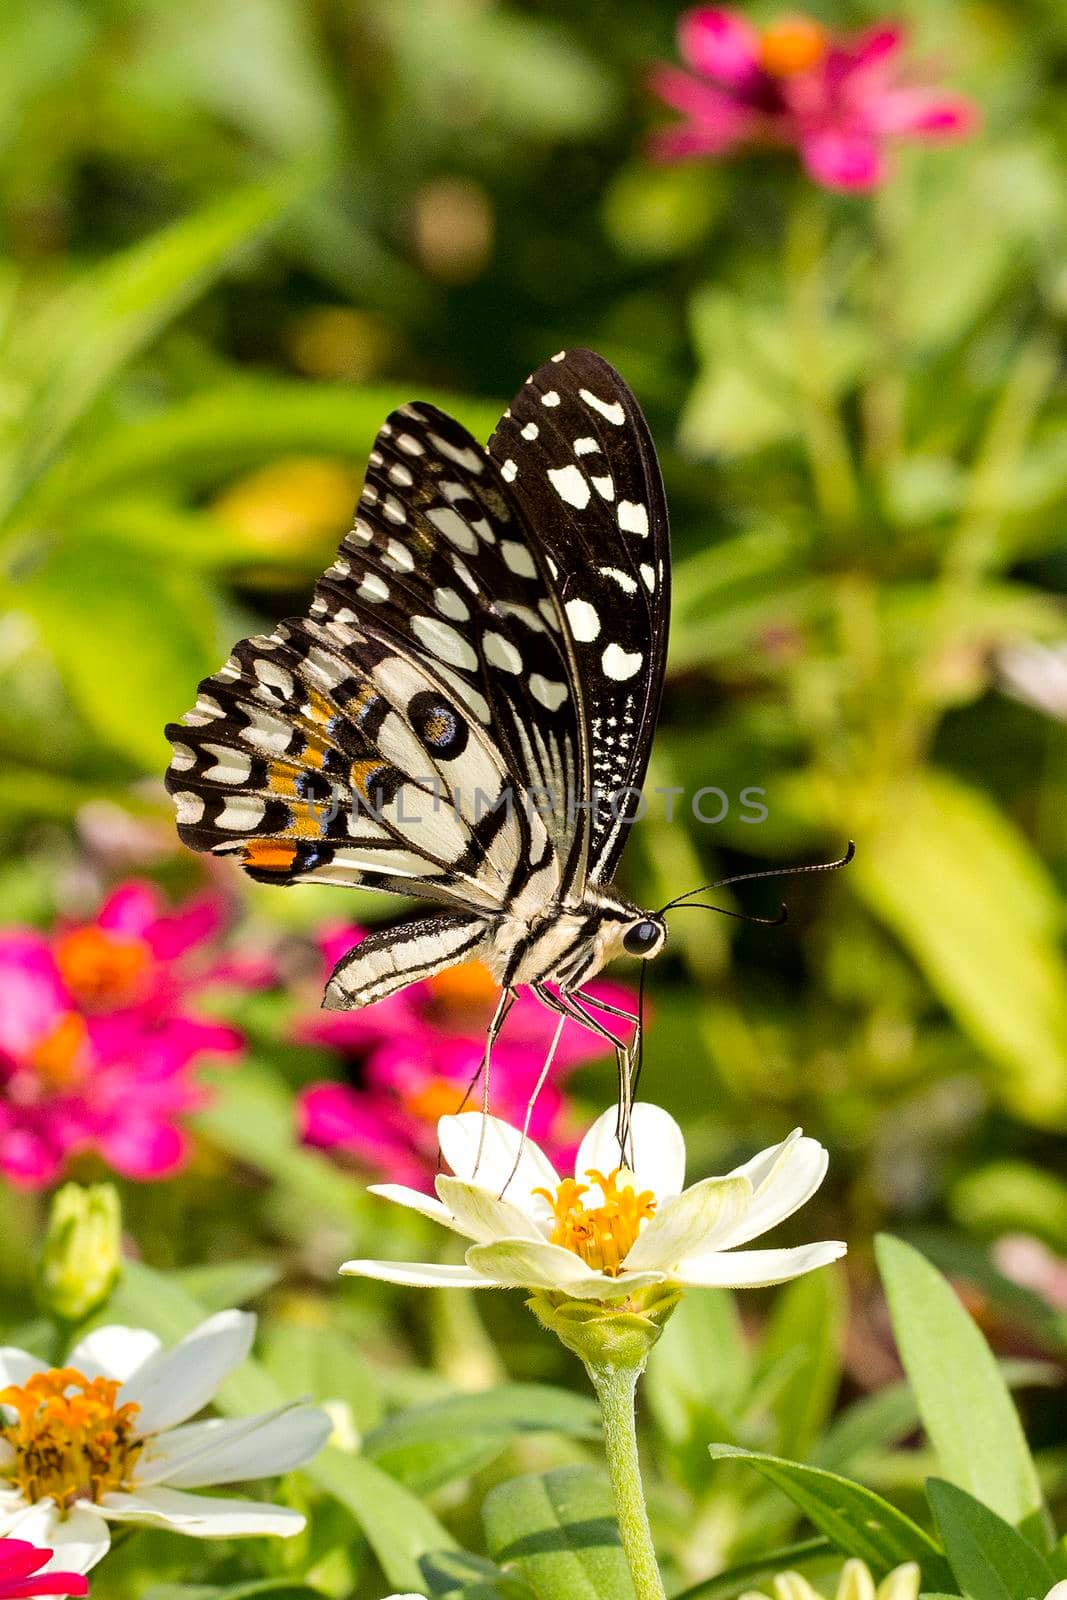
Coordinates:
616 1391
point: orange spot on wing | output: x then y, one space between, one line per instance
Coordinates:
270 855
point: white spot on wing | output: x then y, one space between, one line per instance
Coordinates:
444 642
462 457
623 579
450 604
571 484
612 410
518 559
551 695
550 398
530 431
242 813
409 444
190 806
452 525
229 766
398 556
500 652
509 471
372 588
633 517
649 576
584 620
605 487
183 758
620 664
398 473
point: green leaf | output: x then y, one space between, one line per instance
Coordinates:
689 1395
130 636
281 1588
219 1285
739 1579
251 1116
402 1532
991 952
963 1400
859 1522
317 1360
805 1330
434 1444
237 425
88 332
558 1529
991 1561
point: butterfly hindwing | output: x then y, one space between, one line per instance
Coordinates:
579 462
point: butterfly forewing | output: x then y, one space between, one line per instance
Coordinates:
486 649
576 454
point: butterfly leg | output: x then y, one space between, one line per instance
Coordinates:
504 1004
532 1101
571 1006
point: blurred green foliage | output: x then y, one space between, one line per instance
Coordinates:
235 235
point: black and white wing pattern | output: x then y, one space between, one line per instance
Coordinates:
580 464
484 652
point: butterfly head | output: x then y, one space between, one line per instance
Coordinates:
645 936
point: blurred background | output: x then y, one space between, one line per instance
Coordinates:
234 236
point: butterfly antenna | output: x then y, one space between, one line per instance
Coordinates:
750 877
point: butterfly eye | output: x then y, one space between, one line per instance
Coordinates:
642 938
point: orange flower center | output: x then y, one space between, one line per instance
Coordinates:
70 1440
468 987
602 1235
433 1100
57 1058
100 967
791 45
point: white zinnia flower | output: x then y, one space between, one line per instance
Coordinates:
107 1439
611 1231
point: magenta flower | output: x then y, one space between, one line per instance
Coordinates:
839 101
98 1044
21 1575
415 1055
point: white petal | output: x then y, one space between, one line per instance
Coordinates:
658 1149
77 1541
508 1164
482 1216
177 1383
753 1269
784 1179
113 1352
419 1274
690 1224
524 1264
18 1365
427 1205
201 1516
235 1450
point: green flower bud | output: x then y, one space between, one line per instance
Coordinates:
607 1333
82 1256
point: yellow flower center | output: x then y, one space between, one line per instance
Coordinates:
602 1235
102 968
70 1440
794 44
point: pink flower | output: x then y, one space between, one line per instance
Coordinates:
97 1039
416 1054
19 1562
839 101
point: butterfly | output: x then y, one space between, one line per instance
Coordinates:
465 713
